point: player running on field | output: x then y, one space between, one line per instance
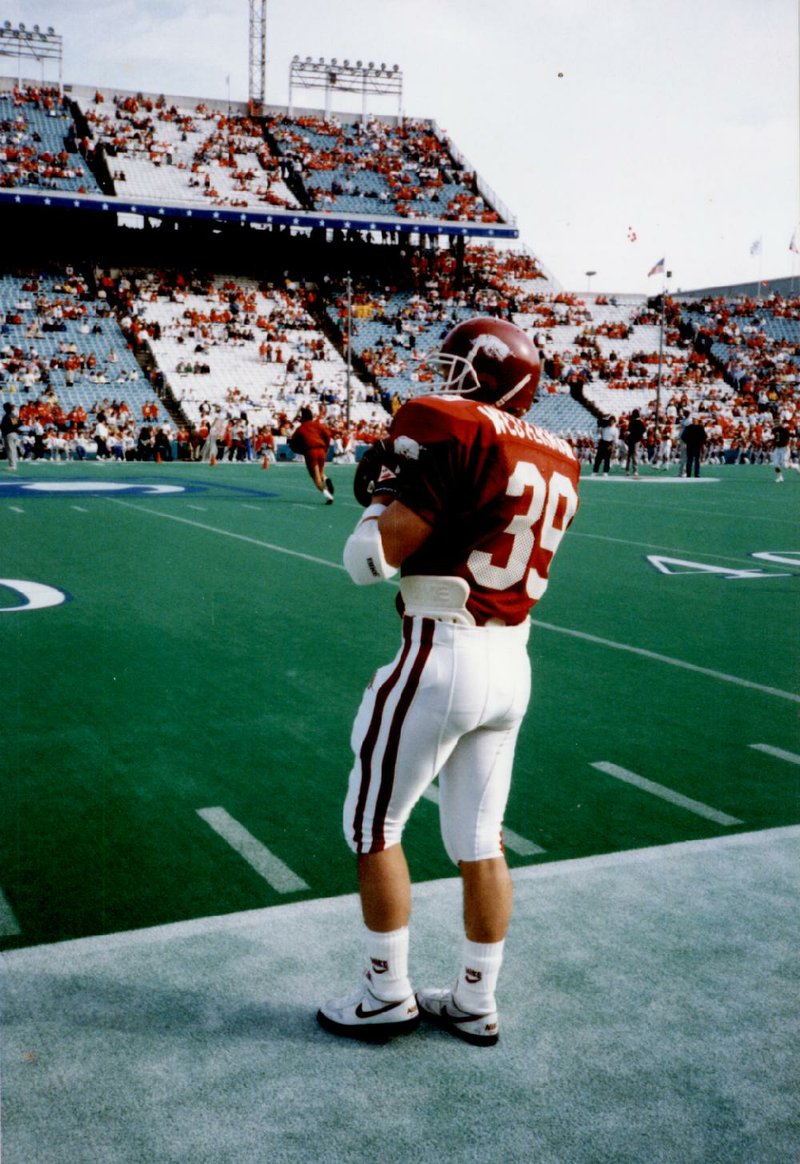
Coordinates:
470 502
311 440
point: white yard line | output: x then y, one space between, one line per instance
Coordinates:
257 856
778 753
723 676
659 790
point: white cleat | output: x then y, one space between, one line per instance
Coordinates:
362 1015
439 1007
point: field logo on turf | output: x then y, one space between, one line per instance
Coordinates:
95 487
674 566
34 595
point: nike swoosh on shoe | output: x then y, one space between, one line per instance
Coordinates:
464 1018
366 1014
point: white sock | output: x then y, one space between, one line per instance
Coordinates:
477 978
387 958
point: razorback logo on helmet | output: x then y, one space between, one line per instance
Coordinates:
492 345
491 360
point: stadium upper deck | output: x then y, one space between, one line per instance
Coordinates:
177 157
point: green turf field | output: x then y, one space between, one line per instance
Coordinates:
211 653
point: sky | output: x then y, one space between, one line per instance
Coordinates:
618 132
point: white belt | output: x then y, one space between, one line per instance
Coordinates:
439 596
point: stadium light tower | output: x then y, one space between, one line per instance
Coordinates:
379 80
33 44
257 57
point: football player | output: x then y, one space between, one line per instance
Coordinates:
311 440
470 501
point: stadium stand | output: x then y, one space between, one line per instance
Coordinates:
360 166
64 360
265 346
262 351
39 146
252 351
160 150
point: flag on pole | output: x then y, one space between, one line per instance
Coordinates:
658 268
793 244
755 249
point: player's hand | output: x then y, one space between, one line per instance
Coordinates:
377 475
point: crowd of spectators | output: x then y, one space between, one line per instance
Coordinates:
257 346
405 169
38 143
53 331
208 148
708 344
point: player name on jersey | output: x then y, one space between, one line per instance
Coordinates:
504 422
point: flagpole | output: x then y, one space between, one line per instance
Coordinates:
660 351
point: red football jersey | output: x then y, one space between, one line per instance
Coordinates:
499 493
311 434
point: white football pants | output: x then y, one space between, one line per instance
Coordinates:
450 704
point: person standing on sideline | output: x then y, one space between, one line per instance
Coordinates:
686 419
694 437
470 502
633 438
9 427
609 435
311 441
216 431
781 439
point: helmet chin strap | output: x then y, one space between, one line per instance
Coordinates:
513 391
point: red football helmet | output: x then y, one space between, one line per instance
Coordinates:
490 360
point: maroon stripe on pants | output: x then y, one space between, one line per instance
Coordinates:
371 736
393 741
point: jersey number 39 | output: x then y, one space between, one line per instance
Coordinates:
533 531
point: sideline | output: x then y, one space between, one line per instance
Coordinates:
231 922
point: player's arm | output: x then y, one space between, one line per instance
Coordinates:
388 530
402 532
382 540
